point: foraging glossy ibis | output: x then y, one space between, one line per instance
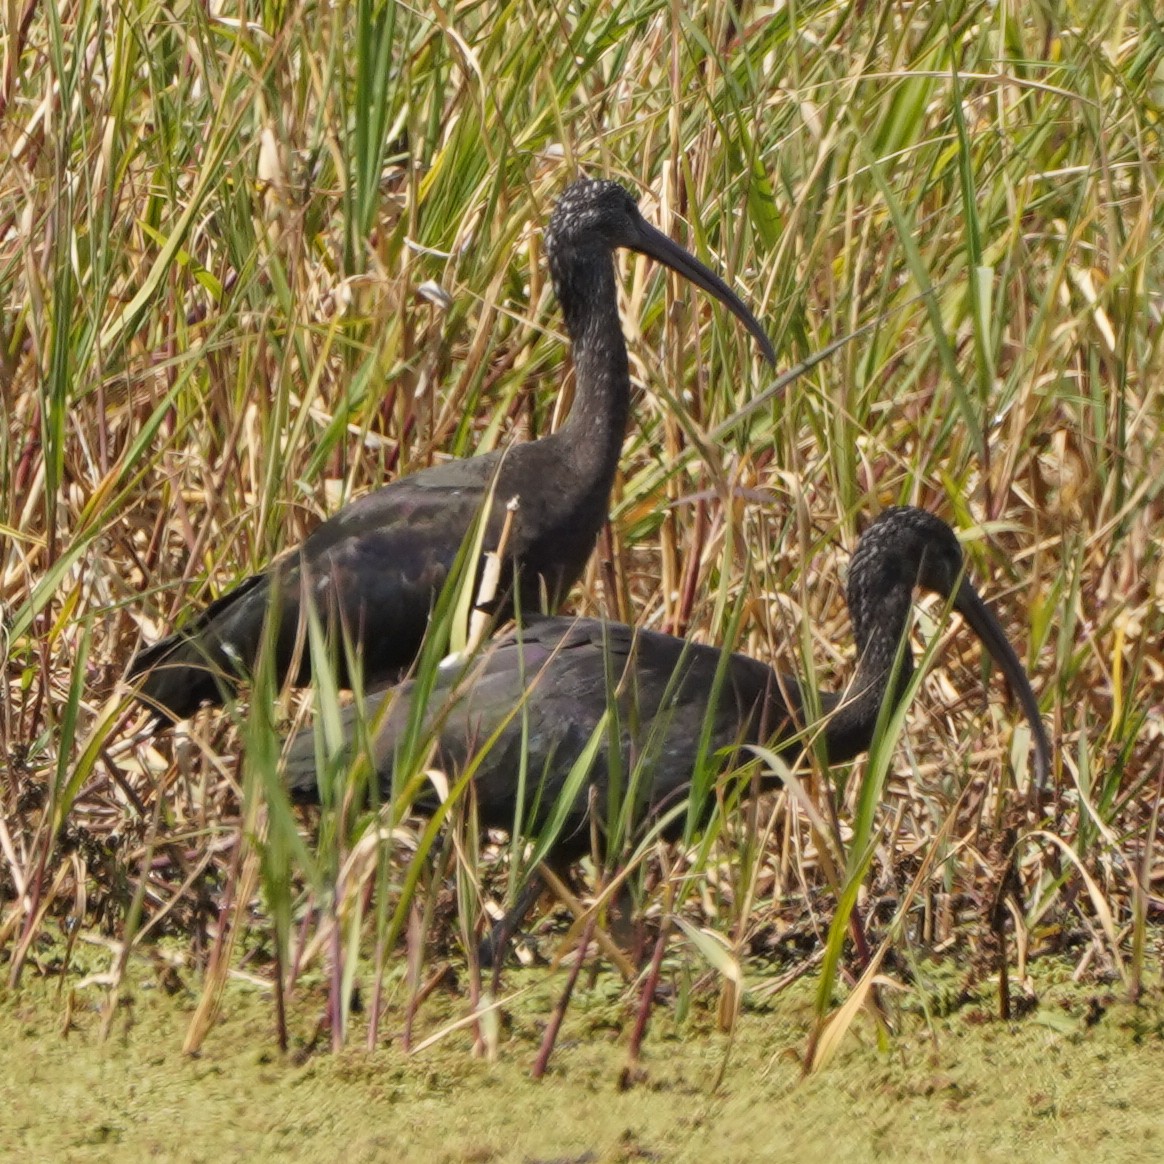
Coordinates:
377 565
557 673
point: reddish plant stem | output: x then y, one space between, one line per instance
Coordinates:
649 987
555 1023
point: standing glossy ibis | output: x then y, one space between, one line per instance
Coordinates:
544 689
377 565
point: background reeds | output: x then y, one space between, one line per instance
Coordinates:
257 259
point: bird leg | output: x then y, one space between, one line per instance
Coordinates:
495 944
550 875
605 942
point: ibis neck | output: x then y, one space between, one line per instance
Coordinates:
853 713
591 438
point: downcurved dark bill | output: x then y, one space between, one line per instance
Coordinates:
989 630
658 246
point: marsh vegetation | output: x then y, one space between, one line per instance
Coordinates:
257 260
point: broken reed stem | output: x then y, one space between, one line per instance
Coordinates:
481 619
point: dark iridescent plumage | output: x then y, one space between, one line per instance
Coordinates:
376 566
563 669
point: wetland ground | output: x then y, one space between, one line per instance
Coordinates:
1076 1078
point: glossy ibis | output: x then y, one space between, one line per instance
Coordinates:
376 566
559 671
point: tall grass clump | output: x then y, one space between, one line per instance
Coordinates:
258 259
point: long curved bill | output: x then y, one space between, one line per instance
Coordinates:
658 246
989 630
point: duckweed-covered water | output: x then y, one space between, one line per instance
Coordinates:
1078 1078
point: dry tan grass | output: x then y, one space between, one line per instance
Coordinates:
249 273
